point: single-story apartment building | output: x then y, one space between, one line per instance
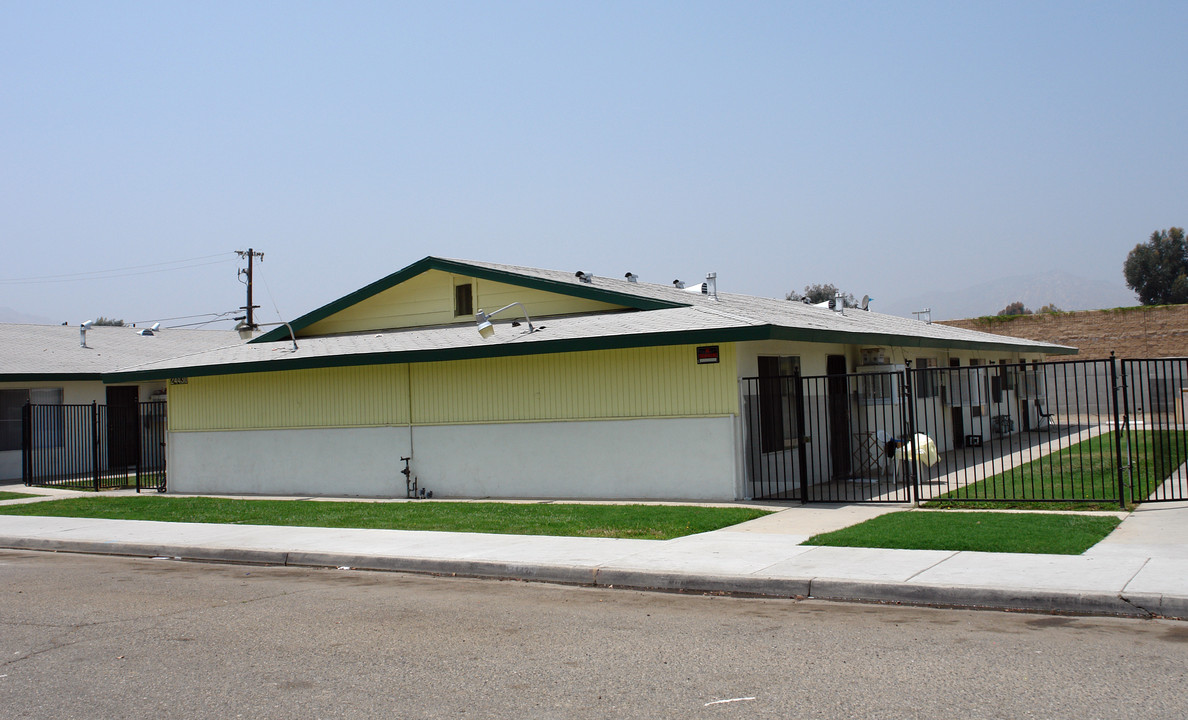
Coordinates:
64 365
570 385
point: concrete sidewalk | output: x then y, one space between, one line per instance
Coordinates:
1140 570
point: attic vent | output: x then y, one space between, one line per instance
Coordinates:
631 277
584 276
678 284
702 288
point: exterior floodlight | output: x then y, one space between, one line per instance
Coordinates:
483 319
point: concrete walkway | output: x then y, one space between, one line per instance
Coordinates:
1140 570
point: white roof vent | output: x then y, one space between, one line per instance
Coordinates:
678 284
631 277
584 276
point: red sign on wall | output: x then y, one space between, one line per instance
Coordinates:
707 354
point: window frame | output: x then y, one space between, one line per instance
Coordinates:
463 307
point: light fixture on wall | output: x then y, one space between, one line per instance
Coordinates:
483 319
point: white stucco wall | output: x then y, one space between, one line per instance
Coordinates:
676 458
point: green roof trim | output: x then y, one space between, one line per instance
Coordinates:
48 377
461 268
609 342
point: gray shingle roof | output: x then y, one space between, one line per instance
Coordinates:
689 318
30 352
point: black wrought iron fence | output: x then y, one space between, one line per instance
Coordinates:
1036 432
1154 443
1105 432
94 446
825 438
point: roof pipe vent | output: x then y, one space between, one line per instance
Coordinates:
711 281
584 276
82 332
631 277
838 305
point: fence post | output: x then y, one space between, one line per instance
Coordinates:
801 444
1117 432
95 444
27 443
139 443
910 403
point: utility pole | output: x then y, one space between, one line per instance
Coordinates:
249 254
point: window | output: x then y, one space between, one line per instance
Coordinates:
11 402
1001 381
49 424
879 388
928 379
777 402
965 386
463 300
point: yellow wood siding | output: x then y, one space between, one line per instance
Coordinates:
428 299
603 384
638 382
325 397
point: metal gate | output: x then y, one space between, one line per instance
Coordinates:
1155 442
825 438
1088 432
93 447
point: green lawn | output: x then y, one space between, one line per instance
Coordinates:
980 531
14 496
650 522
1082 476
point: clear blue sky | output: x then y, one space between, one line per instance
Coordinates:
885 147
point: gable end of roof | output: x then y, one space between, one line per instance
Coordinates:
425 264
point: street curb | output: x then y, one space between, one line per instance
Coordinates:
1169 606
182 552
563 574
1048 601
692 582
1079 603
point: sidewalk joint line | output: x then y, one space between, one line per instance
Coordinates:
948 557
1130 579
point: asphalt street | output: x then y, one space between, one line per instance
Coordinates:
100 637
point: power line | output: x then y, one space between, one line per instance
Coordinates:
121 272
204 322
216 316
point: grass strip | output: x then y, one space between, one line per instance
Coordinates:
979 531
5 495
648 522
1083 476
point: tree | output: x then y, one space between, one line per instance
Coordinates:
112 322
820 293
1157 270
1049 308
1015 308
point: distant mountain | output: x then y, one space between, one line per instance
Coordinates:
9 315
1067 292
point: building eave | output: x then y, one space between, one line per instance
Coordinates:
586 344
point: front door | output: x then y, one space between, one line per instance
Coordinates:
838 390
123 431
957 411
